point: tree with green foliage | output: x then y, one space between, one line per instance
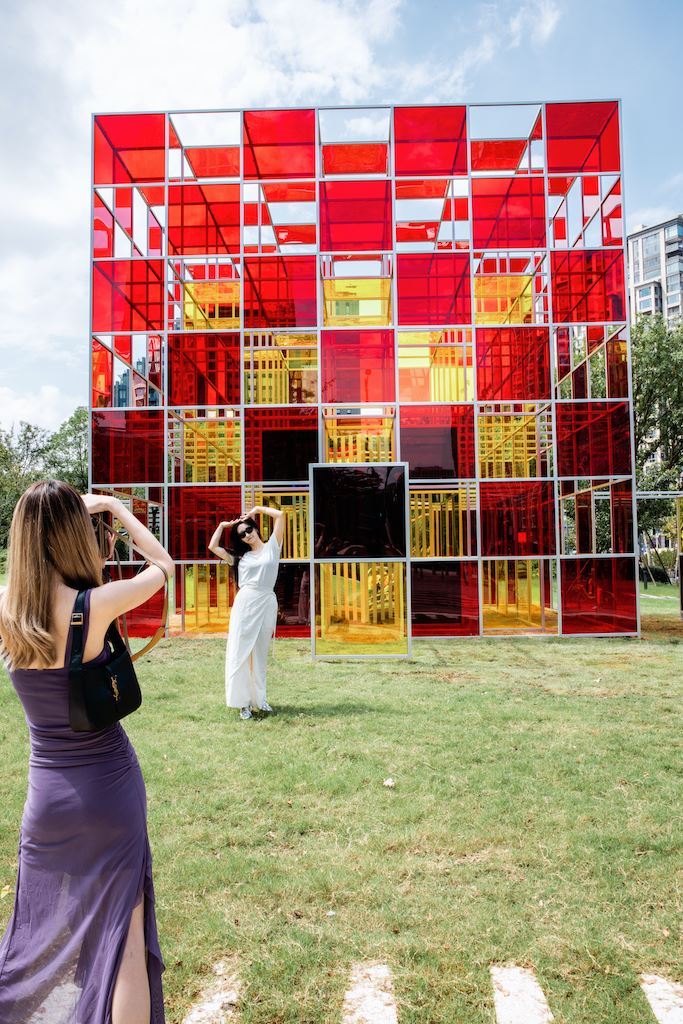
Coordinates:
22 453
657 355
66 452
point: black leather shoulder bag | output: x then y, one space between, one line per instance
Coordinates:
102 694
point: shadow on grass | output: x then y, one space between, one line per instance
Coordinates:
332 710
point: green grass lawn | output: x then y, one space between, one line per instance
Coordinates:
535 818
660 599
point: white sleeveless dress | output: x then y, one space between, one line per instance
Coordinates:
252 624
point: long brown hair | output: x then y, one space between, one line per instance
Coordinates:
51 536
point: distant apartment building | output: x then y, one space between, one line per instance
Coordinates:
655 270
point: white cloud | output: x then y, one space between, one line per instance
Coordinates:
649 216
674 182
47 407
536 19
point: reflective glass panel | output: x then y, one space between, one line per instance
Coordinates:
598 595
359 511
358 366
444 599
360 608
438 441
517 518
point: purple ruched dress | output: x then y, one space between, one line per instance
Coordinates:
84 864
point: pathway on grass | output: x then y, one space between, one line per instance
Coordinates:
665 998
218 1001
518 998
370 998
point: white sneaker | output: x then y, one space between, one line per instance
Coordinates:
245 713
266 707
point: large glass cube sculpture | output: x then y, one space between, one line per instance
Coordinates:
404 326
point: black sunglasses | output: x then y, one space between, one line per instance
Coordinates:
245 531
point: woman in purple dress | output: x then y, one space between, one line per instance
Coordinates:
81 946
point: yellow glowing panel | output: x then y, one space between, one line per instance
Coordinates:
209 593
359 439
510 444
206 450
361 608
295 506
281 376
517 595
357 302
504 299
211 305
442 523
435 373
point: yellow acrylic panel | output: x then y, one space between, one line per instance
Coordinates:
209 593
359 438
361 608
357 302
442 522
516 598
435 373
211 305
206 449
295 506
504 299
275 376
511 442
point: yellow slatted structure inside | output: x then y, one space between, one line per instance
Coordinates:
357 302
209 592
507 299
510 444
295 506
281 377
361 607
207 450
359 440
211 305
515 597
441 522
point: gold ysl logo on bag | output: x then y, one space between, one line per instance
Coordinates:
115 688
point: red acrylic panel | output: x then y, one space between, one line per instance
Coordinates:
214 161
280 291
593 439
617 366
517 519
127 295
582 137
433 288
438 441
203 219
128 446
146 619
194 513
129 148
497 154
204 369
622 518
588 286
279 144
508 212
598 595
102 371
358 366
430 140
356 158
355 216
103 230
512 363
293 592
280 443
444 598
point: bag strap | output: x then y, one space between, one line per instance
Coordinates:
77 627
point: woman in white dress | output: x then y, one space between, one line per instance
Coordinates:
254 611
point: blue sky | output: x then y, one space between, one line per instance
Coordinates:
62 62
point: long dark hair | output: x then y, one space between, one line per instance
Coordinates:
237 546
51 534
